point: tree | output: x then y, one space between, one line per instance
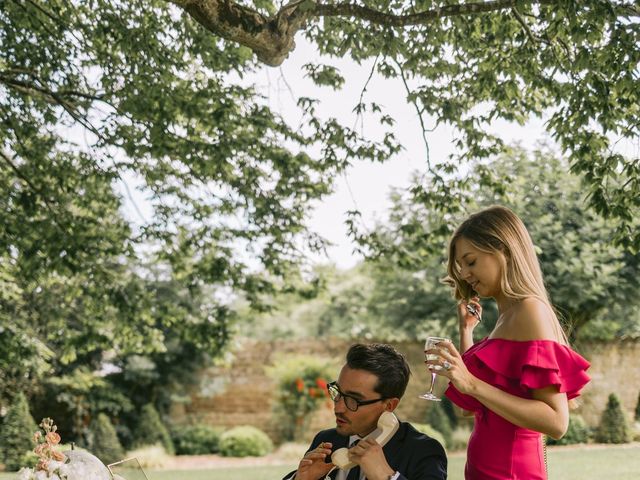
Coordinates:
105 444
87 111
614 426
468 64
588 278
16 434
152 430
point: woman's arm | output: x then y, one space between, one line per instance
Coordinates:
547 412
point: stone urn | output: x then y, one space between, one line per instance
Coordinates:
84 466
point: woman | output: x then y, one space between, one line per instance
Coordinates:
518 381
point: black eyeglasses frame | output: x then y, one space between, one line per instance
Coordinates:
335 394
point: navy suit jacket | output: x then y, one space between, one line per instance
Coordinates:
410 452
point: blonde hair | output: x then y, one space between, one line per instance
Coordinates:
498 230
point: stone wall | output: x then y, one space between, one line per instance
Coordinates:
240 392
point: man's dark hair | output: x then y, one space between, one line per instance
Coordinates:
385 362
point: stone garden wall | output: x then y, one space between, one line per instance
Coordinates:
240 392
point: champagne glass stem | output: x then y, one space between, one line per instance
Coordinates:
433 381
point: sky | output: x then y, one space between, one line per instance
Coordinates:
364 186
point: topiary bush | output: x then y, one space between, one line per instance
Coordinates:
105 444
578 432
438 419
460 437
245 441
16 435
196 439
614 427
151 430
431 432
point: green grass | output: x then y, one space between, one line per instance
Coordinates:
620 462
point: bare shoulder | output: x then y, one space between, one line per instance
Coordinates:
533 319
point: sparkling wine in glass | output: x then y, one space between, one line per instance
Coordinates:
431 343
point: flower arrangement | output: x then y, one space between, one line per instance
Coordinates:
54 465
50 461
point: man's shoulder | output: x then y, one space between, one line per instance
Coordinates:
329 435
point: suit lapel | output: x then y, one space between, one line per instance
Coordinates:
394 445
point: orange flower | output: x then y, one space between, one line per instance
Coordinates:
43 465
300 384
312 392
40 449
321 383
58 456
53 438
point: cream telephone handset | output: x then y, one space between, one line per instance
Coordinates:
387 427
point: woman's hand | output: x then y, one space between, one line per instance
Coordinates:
452 367
469 313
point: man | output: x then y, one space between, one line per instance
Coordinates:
371 382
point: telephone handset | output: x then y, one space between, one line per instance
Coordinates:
387 427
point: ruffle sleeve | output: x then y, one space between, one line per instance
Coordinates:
519 366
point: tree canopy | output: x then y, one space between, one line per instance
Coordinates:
400 295
468 64
96 95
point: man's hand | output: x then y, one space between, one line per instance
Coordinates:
369 455
312 466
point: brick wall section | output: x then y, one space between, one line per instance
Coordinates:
615 368
240 392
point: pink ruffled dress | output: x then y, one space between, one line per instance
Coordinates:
498 449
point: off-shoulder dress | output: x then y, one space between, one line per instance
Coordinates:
498 449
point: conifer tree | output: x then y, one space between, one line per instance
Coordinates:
613 427
438 419
17 433
106 445
151 430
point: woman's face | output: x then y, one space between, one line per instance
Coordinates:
481 270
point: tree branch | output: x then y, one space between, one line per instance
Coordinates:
272 38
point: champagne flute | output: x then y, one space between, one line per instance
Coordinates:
431 343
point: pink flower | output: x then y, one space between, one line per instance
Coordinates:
40 449
53 438
43 465
58 456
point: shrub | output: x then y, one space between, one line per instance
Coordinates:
151 430
17 434
431 432
578 432
438 419
302 388
245 441
151 456
460 438
613 427
196 439
105 444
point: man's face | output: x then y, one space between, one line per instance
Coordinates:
360 385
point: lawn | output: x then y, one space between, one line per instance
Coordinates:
592 462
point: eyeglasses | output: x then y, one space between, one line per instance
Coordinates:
350 402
